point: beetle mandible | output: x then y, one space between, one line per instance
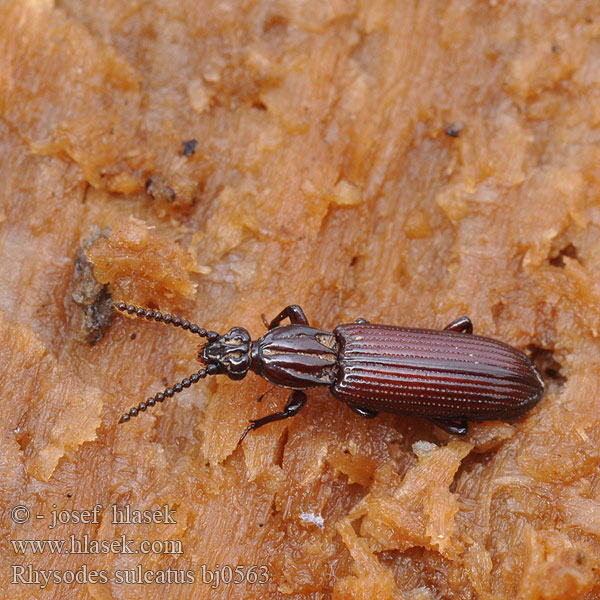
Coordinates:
449 376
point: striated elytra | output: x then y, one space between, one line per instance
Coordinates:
449 376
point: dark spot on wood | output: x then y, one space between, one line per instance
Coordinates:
23 439
279 451
189 147
570 251
275 25
547 364
90 295
498 310
454 130
159 190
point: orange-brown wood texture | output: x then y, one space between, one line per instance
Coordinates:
406 162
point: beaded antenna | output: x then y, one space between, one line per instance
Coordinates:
152 315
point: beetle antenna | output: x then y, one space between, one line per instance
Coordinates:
167 393
154 315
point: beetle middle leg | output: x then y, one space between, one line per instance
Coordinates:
454 427
293 312
294 404
461 325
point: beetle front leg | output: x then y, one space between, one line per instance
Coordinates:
292 312
294 404
461 325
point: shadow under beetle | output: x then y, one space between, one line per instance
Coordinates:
449 376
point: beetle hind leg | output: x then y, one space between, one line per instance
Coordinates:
294 404
460 325
454 427
367 413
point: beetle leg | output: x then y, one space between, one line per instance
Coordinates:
361 320
367 413
455 427
294 404
293 312
461 325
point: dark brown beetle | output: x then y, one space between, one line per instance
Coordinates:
449 377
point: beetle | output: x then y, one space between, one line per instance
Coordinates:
449 376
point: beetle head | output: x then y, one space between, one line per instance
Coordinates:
229 352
